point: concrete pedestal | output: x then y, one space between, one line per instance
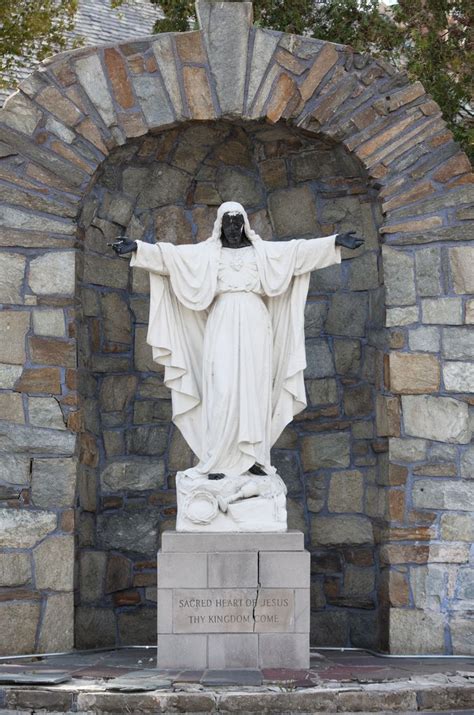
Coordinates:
233 600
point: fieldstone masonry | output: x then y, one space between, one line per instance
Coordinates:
144 139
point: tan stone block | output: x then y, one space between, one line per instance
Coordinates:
346 492
416 631
387 411
458 164
382 138
89 131
11 407
439 311
73 156
470 312
289 61
394 101
172 226
457 527
324 61
281 95
54 563
395 505
415 533
12 271
198 93
421 224
20 113
51 99
328 107
407 197
439 469
13 328
164 54
397 475
119 79
15 568
57 626
18 625
395 588
461 261
273 173
51 351
402 143
449 553
399 554
341 530
53 272
133 124
412 373
38 380
190 47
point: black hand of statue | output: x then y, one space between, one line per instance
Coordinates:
123 246
349 240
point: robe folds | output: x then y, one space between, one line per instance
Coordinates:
234 354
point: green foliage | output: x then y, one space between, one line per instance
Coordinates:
438 50
430 39
30 30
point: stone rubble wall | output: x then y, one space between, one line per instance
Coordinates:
55 134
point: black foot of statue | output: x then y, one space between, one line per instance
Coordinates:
257 469
215 476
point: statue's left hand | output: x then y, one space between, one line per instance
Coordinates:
349 240
123 246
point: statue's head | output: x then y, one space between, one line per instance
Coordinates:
233 228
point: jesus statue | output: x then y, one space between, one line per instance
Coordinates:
227 322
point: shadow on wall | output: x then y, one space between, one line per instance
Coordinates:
167 187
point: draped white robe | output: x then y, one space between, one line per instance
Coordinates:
233 390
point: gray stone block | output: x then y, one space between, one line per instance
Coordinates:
182 570
182 651
302 610
284 570
233 650
284 650
173 541
225 29
235 570
165 610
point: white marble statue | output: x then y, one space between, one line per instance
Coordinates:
228 325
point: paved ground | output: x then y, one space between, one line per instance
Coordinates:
126 680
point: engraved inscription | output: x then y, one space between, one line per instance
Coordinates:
233 611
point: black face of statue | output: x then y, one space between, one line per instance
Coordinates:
233 229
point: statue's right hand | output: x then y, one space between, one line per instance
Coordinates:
123 246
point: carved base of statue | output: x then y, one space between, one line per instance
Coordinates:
233 600
239 503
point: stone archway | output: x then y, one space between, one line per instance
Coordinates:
58 130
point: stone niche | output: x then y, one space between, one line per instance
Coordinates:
120 139
167 186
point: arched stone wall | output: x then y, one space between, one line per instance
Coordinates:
56 132
168 186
